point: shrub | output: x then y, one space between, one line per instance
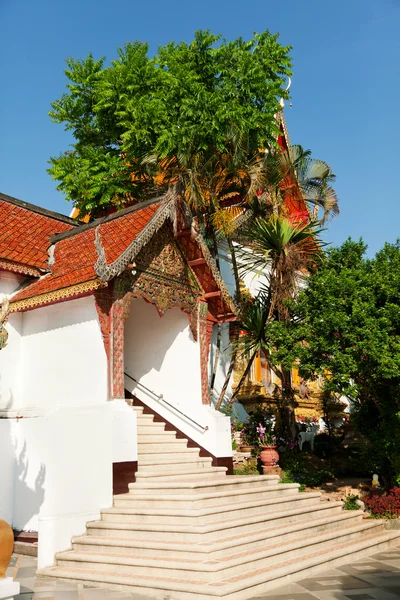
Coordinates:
325 446
299 470
384 505
249 467
351 503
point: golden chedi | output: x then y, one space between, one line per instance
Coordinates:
6 546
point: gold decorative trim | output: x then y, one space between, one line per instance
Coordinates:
216 274
4 310
56 295
280 117
18 268
108 271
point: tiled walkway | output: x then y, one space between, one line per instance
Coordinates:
377 577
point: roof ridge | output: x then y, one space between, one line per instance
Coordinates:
93 224
38 209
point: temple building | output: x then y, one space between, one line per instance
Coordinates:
112 451
97 311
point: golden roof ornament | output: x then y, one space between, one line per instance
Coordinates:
4 308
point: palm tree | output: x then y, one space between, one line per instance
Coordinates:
280 252
278 193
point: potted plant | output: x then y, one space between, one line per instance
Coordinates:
268 451
246 444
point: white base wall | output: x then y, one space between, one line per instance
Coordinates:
58 469
162 355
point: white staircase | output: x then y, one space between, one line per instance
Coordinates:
188 530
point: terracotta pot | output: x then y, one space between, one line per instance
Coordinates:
269 456
246 448
6 546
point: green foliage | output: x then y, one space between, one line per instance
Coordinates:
350 503
249 432
287 478
189 100
297 469
325 446
347 323
249 467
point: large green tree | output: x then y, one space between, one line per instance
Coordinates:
345 327
183 111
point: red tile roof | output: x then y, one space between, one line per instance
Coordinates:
25 234
75 255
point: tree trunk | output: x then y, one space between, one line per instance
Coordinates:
230 370
235 269
216 361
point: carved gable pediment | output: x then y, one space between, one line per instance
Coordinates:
160 275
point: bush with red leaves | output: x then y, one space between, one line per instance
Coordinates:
384 505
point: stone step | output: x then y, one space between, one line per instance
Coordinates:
227 483
210 514
214 530
215 570
155 500
222 546
190 473
238 587
179 464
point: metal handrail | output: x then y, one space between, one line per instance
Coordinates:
162 399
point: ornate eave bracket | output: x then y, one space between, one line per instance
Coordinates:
108 271
5 307
216 274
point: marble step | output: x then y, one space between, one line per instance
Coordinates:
161 460
159 447
227 483
223 545
164 437
148 426
180 463
210 514
147 451
232 563
190 473
241 586
211 531
203 500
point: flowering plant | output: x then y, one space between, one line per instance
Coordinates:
265 437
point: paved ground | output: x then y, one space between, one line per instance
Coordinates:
377 577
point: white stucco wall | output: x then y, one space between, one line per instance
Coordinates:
59 436
57 469
63 360
10 357
162 354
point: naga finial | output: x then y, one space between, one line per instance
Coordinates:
287 88
4 308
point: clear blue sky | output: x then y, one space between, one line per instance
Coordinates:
344 93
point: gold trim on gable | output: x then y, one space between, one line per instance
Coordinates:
20 268
56 295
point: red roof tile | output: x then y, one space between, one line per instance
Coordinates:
25 234
76 255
